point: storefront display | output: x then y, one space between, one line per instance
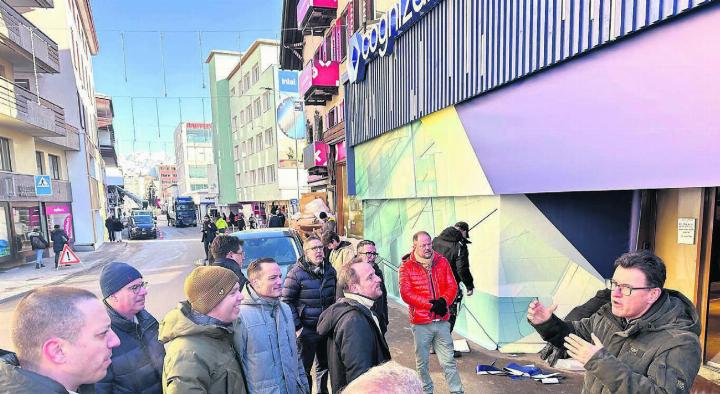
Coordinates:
60 214
4 233
25 219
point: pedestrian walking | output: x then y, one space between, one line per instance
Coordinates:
340 252
355 342
276 219
209 231
367 252
310 289
265 334
38 245
118 227
227 252
645 340
109 225
63 341
253 221
241 221
221 225
59 239
328 224
232 220
198 336
453 244
137 363
428 286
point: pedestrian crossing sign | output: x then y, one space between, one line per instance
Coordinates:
67 256
43 186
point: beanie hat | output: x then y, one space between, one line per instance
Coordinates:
205 287
115 276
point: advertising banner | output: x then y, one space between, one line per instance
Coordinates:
290 120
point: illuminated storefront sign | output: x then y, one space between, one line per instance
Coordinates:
379 39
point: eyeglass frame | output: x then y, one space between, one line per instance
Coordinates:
610 282
370 253
136 288
315 248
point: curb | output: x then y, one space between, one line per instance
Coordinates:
69 276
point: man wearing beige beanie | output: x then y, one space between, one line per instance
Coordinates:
198 336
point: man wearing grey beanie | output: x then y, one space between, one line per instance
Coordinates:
137 363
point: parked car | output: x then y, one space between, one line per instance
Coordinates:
282 244
142 226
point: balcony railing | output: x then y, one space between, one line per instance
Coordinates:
41 118
319 81
25 39
71 140
314 16
31 3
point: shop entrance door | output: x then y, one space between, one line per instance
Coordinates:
712 322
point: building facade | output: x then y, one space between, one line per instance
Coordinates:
265 145
194 161
70 24
112 176
314 42
168 182
43 125
220 65
549 131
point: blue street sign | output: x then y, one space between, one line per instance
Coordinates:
43 186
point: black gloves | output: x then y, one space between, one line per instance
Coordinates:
552 353
439 307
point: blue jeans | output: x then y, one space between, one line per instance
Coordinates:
438 335
38 256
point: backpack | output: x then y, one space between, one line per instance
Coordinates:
37 243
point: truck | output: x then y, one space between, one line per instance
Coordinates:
182 211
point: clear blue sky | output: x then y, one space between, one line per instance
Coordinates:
225 25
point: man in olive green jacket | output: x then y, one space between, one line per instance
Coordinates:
198 336
644 341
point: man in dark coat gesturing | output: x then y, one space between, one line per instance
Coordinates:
355 342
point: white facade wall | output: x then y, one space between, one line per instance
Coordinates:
73 89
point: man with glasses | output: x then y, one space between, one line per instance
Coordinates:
227 251
309 290
137 363
367 252
644 340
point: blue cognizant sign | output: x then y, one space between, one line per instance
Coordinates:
379 39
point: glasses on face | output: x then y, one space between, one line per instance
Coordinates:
316 248
370 254
136 288
626 290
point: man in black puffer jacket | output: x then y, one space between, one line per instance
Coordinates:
452 243
310 289
137 363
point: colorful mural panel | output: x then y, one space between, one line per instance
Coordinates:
426 177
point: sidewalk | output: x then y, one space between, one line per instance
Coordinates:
400 339
17 281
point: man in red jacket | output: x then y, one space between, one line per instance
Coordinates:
428 286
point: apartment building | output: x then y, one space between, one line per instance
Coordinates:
194 161
70 24
41 132
268 130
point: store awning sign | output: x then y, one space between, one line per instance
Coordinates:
379 39
43 185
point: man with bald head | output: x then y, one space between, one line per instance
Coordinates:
63 340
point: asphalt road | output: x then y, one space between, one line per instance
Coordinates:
164 263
